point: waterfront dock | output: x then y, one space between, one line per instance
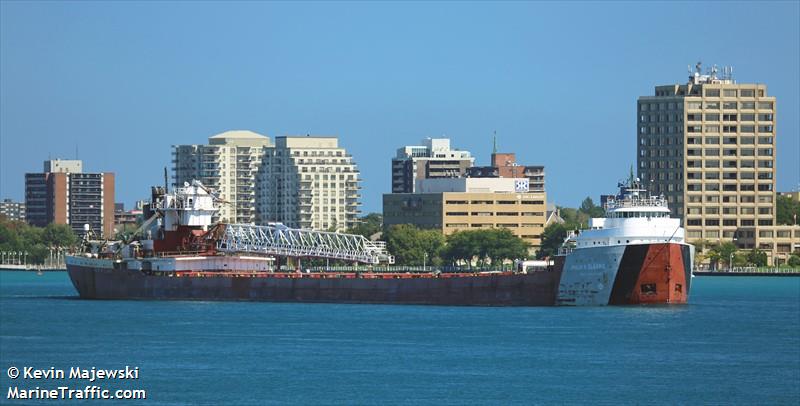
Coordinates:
749 271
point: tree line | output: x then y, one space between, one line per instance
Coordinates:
18 236
482 247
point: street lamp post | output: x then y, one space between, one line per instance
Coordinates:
424 260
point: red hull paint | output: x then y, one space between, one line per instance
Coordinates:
535 289
662 277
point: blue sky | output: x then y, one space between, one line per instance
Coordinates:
122 81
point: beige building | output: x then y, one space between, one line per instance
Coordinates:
452 205
228 165
308 182
709 147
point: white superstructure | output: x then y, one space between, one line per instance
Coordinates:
632 217
228 164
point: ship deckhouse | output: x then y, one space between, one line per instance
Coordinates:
632 217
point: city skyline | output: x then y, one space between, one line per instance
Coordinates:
561 93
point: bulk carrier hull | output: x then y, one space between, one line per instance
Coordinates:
627 275
504 289
614 275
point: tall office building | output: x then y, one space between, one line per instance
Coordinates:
228 164
709 146
431 160
63 194
308 182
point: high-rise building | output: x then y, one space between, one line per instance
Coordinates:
709 147
228 165
452 205
11 210
433 159
63 166
504 165
308 182
69 196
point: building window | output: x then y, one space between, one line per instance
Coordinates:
765 105
729 93
712 92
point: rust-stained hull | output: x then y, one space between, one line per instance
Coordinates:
533 289
657 273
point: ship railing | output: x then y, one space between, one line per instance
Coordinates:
628 203
565 250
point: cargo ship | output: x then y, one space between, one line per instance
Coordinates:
180 253
636 254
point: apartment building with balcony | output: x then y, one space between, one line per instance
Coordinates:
12 211
63 194
228 164
708 146
432 160
308 182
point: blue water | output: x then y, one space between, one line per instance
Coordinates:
738 342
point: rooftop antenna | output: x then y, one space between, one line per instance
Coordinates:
76 151
166 186
494 142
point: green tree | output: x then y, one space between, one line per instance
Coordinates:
495 245
37 242
59 235
756 257
412 246
552 239
794 260
787 210
590 209
720 253
700 254
368 225
574 219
